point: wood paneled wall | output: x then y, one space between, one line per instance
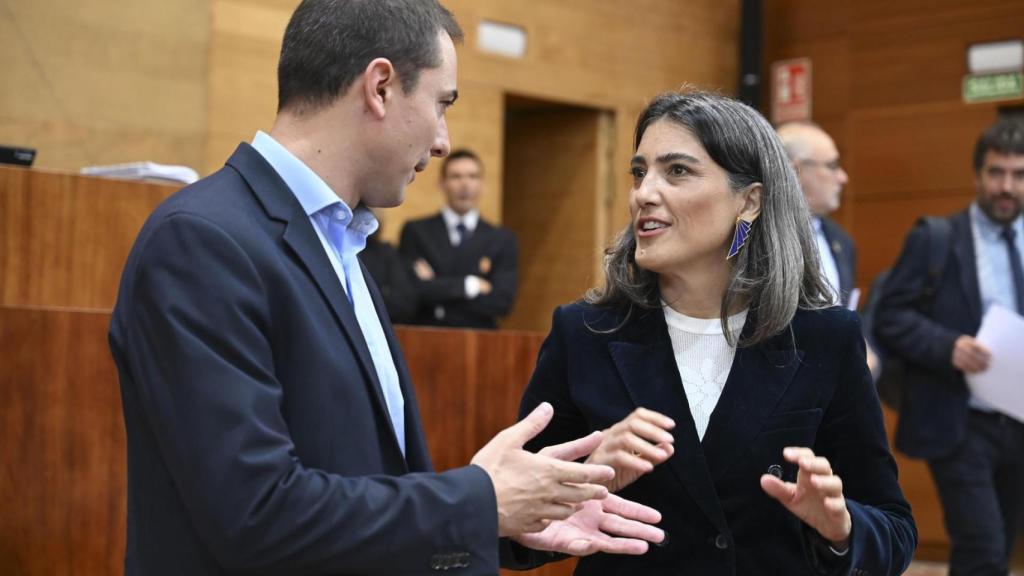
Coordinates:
887 86
62 434
611 55
552 202
105 81
64 238
63 445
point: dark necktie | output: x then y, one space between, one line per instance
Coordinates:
463 232
1009 234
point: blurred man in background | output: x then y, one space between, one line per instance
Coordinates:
466 267
816 161
928 315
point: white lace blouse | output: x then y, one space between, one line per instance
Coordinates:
704 359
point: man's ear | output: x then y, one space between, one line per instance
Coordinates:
750 208
379 84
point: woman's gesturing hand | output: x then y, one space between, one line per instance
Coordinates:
816 497
634 446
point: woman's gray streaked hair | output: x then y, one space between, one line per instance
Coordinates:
777 272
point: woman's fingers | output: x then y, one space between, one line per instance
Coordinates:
828 485
639 447
656 418
651 430
781 491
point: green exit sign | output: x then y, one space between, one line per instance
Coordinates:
988 87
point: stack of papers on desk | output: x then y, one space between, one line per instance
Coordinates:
145 171
1002 385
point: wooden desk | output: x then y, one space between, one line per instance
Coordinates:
64 237
63 441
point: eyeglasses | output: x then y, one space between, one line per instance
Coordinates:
832 165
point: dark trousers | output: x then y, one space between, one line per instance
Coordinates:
981 486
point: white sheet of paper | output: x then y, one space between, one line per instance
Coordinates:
854 299
1002 385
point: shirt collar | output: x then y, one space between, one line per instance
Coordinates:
816 224
313 194
469 219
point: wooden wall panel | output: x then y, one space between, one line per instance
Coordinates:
245 42
887 86
62 433
916 481
468 385
63 443
617 202
64 238
551 203
105 81
926 150
913 52
882 224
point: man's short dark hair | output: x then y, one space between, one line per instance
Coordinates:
1006 136
459 154
329 43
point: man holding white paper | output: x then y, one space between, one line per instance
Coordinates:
930 316
1002 383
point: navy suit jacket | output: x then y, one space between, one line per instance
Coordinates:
258 438
845 254
490 253
806 387
933 414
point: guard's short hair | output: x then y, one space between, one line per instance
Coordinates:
459 154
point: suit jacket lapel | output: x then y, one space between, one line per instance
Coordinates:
476 239
646 364
469 253
841 259
281 204
963 249
417 454
759 377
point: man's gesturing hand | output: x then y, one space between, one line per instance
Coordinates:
534 489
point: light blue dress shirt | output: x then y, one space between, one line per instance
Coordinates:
827 260
343 233
992 260
995 277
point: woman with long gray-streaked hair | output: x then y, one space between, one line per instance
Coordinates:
733 396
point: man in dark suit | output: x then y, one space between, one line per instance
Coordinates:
271 423
465 266
975 453
816 161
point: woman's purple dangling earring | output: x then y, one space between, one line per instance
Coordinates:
739 239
